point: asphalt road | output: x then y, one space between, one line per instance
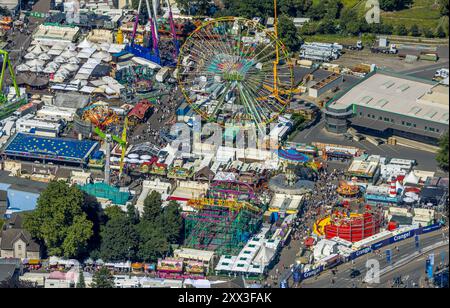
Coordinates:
426 72
413 273
406 248
426 160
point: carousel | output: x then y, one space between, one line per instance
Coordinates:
348 190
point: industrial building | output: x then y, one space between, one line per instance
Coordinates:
385 104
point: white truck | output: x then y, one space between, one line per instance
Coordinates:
441 74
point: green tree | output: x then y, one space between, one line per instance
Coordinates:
427 32
442 155
401 30
103 279
444 7
119 238
81 284
394 5
440 33
195 7
294 8
153 242
172 222
414 30
59 221
152 207
132 214
289 34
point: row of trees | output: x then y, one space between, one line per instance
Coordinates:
394 5
71 224
126 236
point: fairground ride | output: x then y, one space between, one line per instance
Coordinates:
234 71
122 141
6 62
152 52
100 116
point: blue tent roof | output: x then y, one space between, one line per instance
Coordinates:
293 155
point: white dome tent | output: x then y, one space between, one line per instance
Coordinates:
38 49
84 44
44 57
102 55
60 59
411 178
36 68
69 54
30 56
23 68
71 47
73 60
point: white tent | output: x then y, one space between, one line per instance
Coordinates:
70 67
83 55
38 49
23 68
63 71
264 256
82 76
87 51
73 60
105 46
69 54
35 62
115 48
84 44
85 71
55 52
60 59
411 178
30 56
44 56
36 68
71 47
49 70
102 55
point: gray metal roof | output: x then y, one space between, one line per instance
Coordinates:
22 184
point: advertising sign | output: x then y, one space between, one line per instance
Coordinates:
195 267
170 265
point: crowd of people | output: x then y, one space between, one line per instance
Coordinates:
314 206
160 120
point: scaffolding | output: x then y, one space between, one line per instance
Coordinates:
221 228
105 191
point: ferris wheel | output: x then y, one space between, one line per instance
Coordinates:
233 70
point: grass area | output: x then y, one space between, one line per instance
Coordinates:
424 13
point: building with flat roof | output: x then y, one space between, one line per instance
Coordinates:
385 104
20 194
32 147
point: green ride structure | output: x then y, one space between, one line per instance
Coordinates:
8 107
